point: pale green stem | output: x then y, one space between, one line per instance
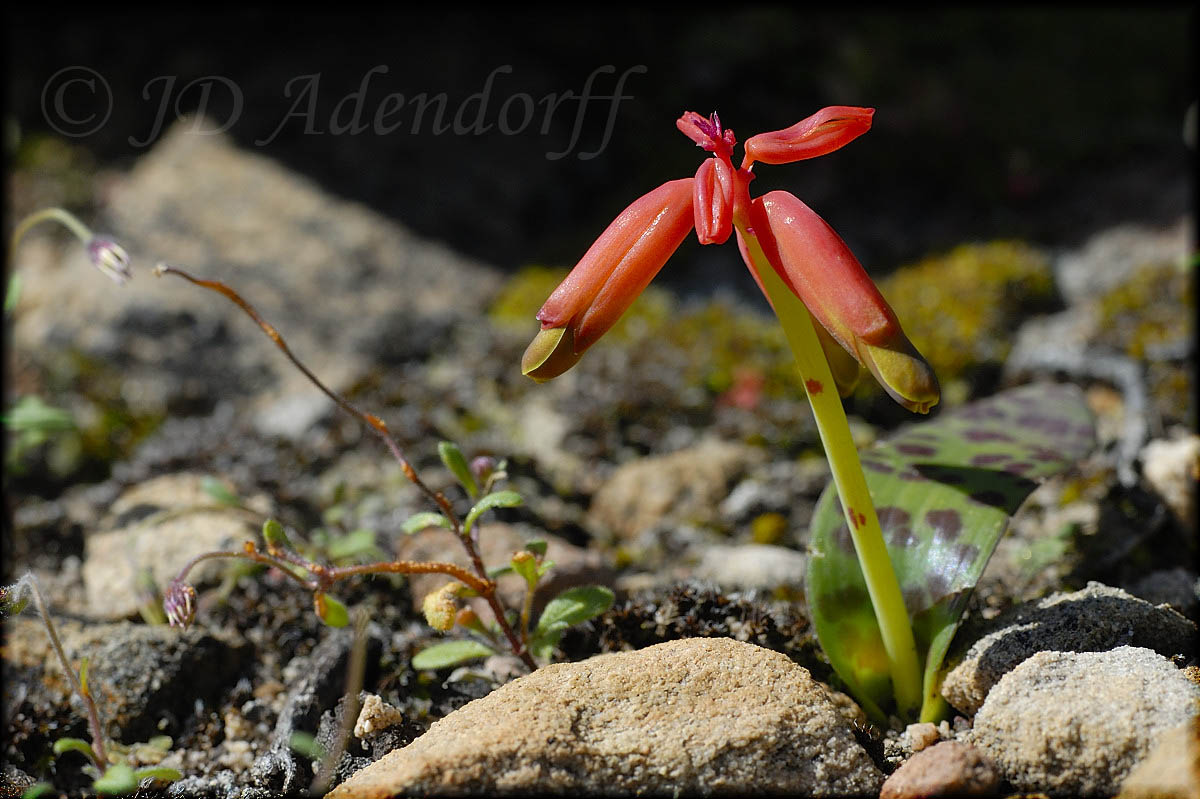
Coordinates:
882 585
65 218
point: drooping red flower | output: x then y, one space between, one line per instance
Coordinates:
810 258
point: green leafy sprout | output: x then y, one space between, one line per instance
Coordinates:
111 775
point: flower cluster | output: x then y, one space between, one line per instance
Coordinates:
857 326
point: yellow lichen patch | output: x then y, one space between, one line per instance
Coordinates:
1147 317
961 309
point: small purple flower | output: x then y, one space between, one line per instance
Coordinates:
110 258
179 604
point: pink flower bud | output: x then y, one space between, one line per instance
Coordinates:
110 258
179 604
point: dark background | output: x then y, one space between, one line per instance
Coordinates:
1039 124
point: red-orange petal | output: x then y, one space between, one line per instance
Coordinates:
825 131
821 270
713 203
664 223
631 242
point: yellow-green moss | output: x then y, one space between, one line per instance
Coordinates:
961 309
1151 310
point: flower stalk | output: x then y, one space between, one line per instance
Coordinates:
807 273
861 518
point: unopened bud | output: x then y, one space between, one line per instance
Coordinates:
469 619
525 564
110 258
483 466
274 535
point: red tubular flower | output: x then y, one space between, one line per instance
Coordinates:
816 264
609 277
808 255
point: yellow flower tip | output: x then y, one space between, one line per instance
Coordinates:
551 353
904 374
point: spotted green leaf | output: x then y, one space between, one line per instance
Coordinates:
944 491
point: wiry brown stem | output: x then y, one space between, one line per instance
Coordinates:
478 581
377 425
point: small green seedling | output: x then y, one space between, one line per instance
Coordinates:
111 776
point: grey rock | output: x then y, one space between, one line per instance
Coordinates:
1178 587
1077 723
1095 619
696 716
1110 257
327 273
145 679
752 566
322 680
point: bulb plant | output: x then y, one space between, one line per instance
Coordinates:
806 272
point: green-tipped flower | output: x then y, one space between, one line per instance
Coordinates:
819 268
808 255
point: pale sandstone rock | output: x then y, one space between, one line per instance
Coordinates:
1077 723
696 716
159 525
1095 619
686 486
1172 770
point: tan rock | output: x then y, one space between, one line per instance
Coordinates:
694 716
687 485
1172 467
1095 619
950 768
1171 770
181 520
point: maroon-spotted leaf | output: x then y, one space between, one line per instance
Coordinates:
944 491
